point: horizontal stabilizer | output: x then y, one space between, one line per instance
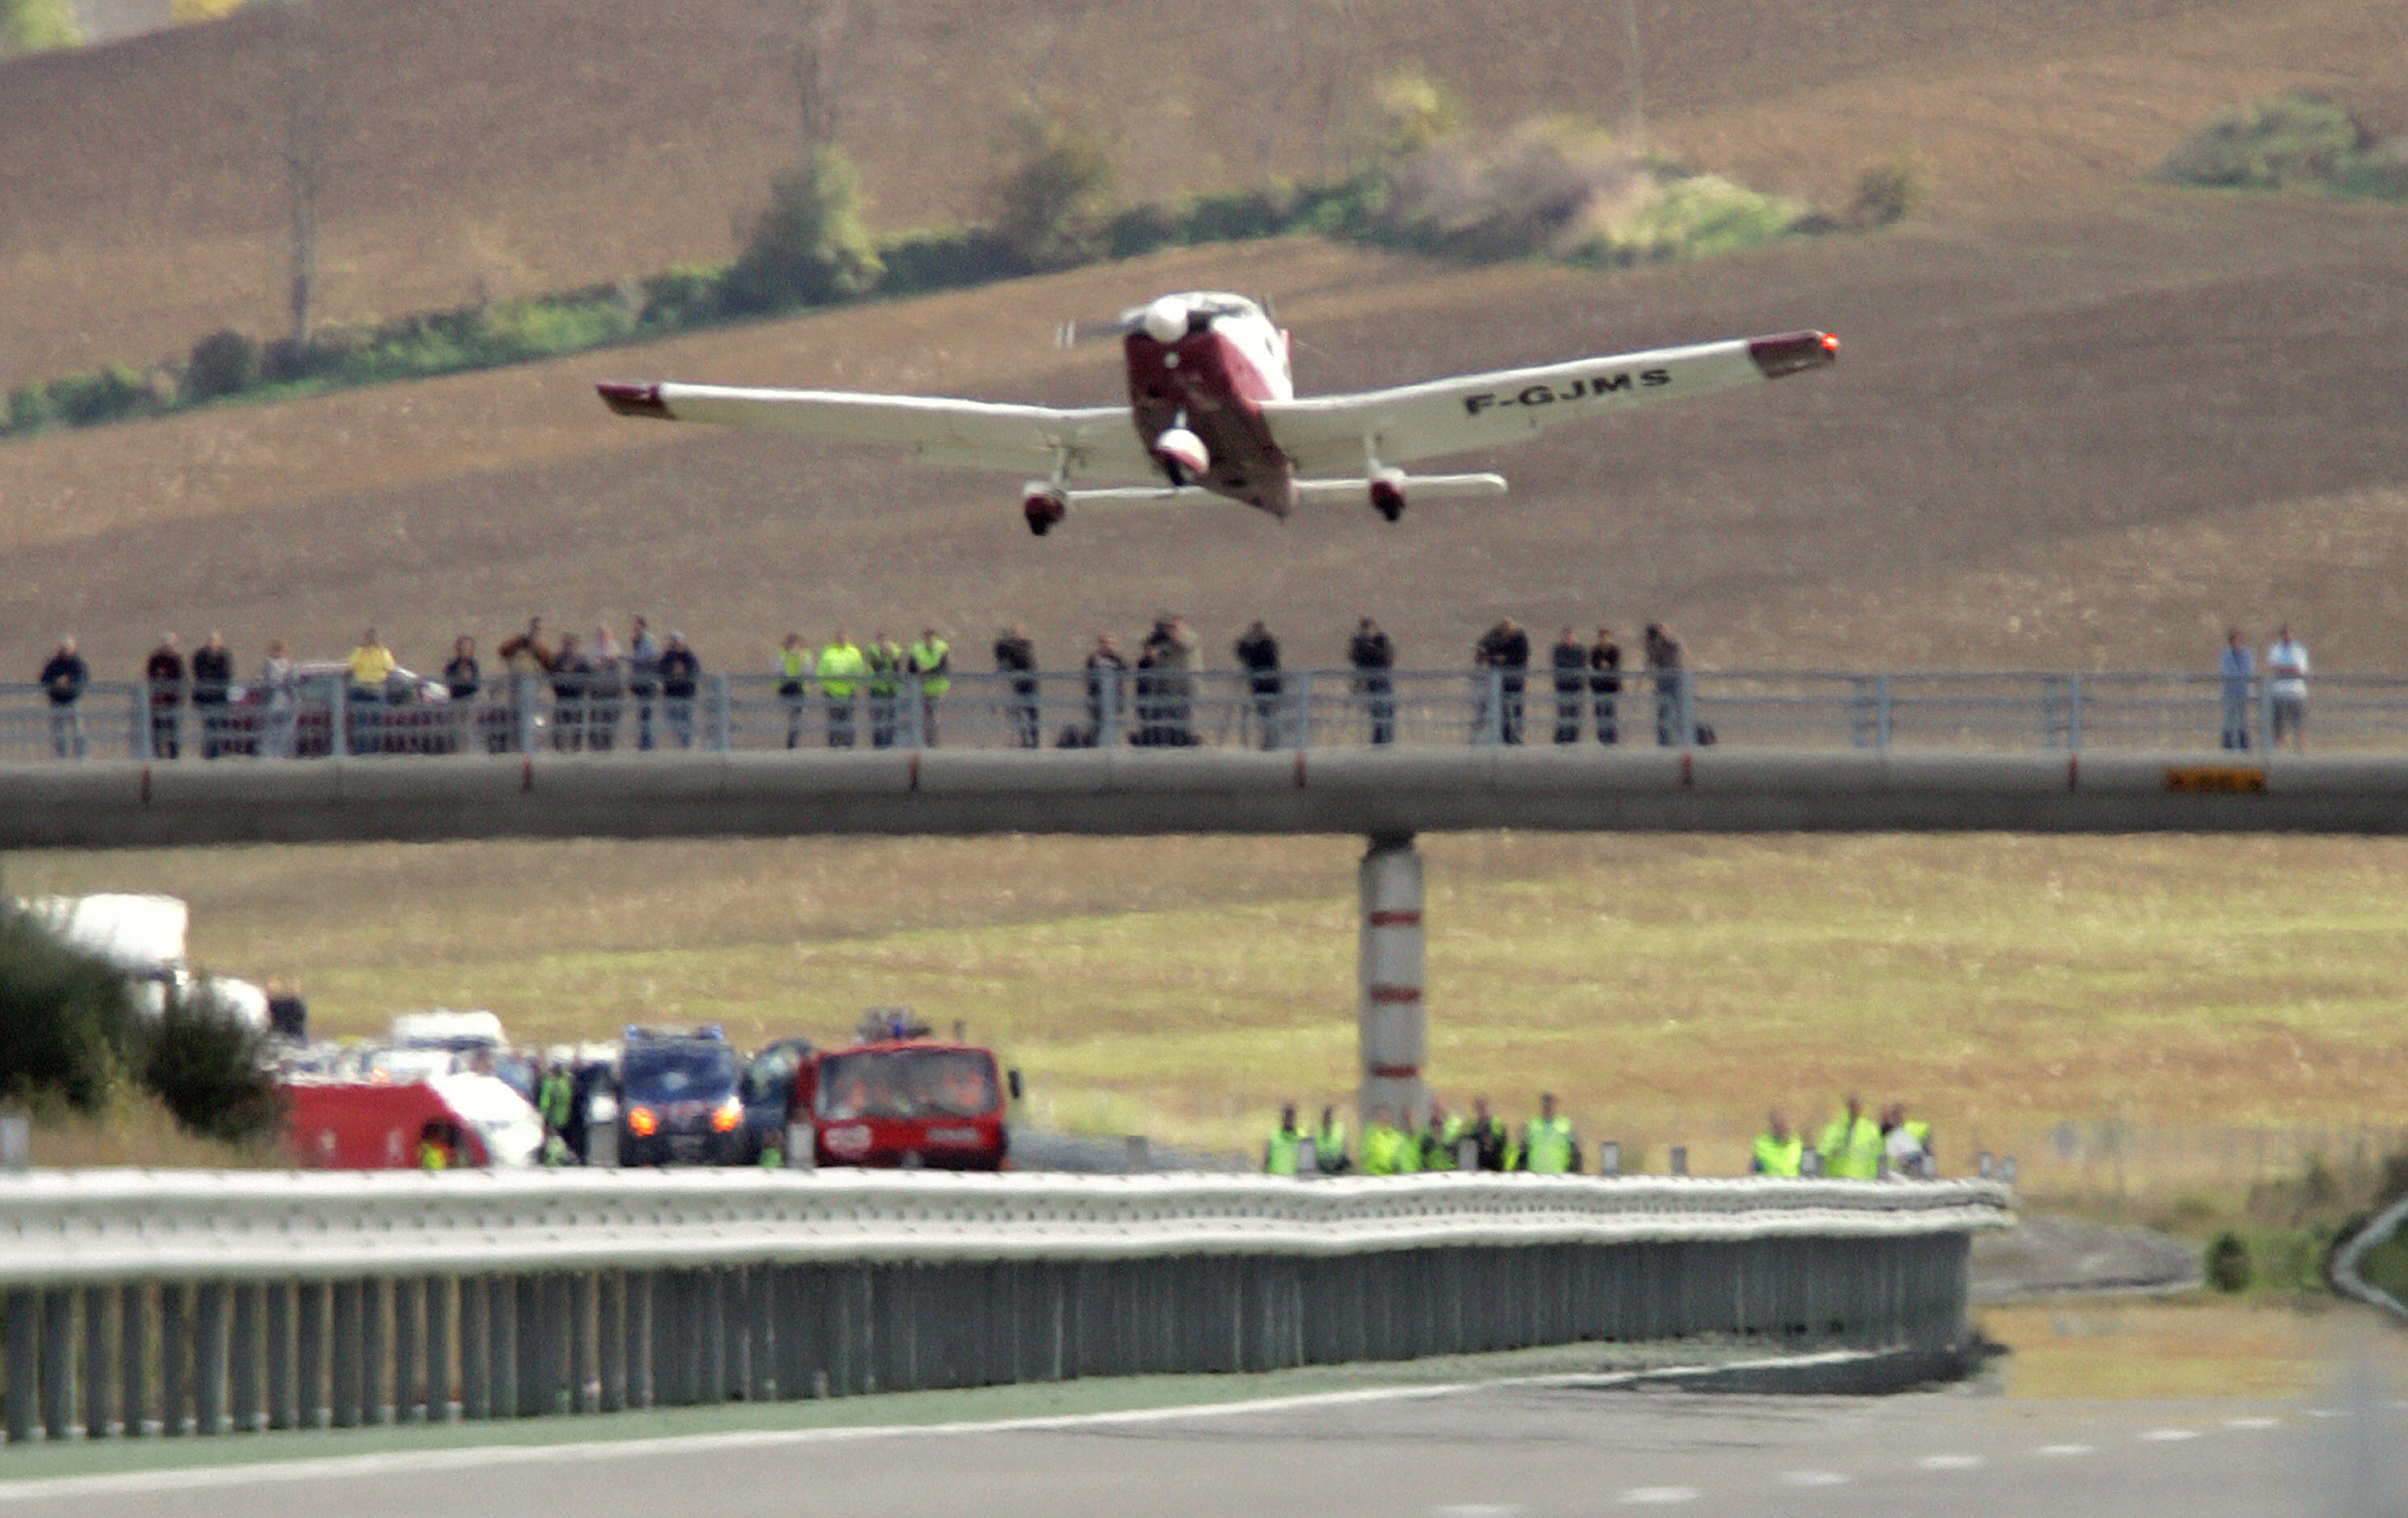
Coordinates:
1417 488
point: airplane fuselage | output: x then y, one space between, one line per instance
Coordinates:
1201 365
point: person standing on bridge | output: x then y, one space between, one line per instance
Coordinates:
279 697
1106 680
1373 655
212 687
643 675
1329 1144
842 667
1504 648
1664 663
885 657
1549 1145
1388 1149
569 695
2240 673
1605 684
63 680
1570 659
1852 1145
1487 1130
1258 654
1015 656
793 683
2287 690
931 662
1777 1151
681 671
164 672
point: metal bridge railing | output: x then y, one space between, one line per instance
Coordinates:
1977 711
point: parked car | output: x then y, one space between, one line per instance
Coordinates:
680 1099
768 1089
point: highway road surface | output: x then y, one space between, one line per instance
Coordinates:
1500 1451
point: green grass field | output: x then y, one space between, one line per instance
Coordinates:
2014 990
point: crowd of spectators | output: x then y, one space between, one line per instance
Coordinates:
642 693
1851 1147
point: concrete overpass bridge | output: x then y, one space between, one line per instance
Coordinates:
1384 795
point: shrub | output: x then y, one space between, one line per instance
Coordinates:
211 1071
1887 192
225 363
1053 200
102 395
29 410
2227 1263
1142 229
921 262
36 26
67 1019
685 296
1414 113
2270 144
809 247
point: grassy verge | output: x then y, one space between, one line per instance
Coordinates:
2149 1024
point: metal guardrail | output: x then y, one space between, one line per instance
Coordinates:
1959 710
2378 1229
147 1302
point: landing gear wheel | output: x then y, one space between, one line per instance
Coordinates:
1043 511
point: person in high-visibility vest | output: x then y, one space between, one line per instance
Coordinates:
841 669
931 659
434 1152
1438 1138
1852 1145
1279 1155
793 684
1329 1144
1387 1148
1778 1152
1549 1146
1488 1131
885 657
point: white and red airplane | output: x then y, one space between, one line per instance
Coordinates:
1212 409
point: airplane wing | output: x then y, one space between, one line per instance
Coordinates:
978 435
1325 433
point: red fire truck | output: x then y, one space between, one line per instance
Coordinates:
905 1101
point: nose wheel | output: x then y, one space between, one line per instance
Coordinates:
1044 510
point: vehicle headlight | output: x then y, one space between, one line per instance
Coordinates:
642 1122
728 1116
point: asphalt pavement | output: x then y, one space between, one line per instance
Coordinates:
1492 1452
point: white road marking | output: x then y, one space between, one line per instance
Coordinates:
1660 1494
1813 1478
2324 1412
2170 1436
1949 1462
2054 1451
2251 1422
1477 1509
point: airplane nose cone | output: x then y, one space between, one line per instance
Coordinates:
1184 449
1166 319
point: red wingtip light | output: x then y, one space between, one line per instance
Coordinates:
1792 352
632 399
1831 342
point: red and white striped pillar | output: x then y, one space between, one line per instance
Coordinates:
1393 1033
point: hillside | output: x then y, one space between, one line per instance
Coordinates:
498 149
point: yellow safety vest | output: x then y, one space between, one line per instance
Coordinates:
431 1156
927 659
1389 1150
1329 1149
793 666
841 666
1279 1155
1547 1146
1780 1156
1852 1152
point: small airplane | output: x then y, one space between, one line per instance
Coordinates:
1213 411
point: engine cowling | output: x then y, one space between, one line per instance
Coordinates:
1044 506
1388 493
1184 452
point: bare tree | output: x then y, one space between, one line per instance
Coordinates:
306 129
826 35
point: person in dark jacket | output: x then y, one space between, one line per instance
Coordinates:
462 679
1372 654
63 680
212 683
1106 676
1016 656
1258 655
1570 659
680 673
1505 648
569 670
1605 683
164 672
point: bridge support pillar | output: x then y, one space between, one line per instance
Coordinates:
1393 1031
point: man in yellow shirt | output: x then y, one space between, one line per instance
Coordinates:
366 672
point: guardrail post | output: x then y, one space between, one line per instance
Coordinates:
610 1341
284 1406
643 1301
476 1348
343 1341
243 1409
209 1356
2073 713
722 724
20 1325
915 707
502 1353
522 1347
339 720
1299 707
584 1375
440 1403
175 1346
99 1409
761 1335
133 1357
409 1352
58 1360
522 712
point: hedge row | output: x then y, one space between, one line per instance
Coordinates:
229 364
